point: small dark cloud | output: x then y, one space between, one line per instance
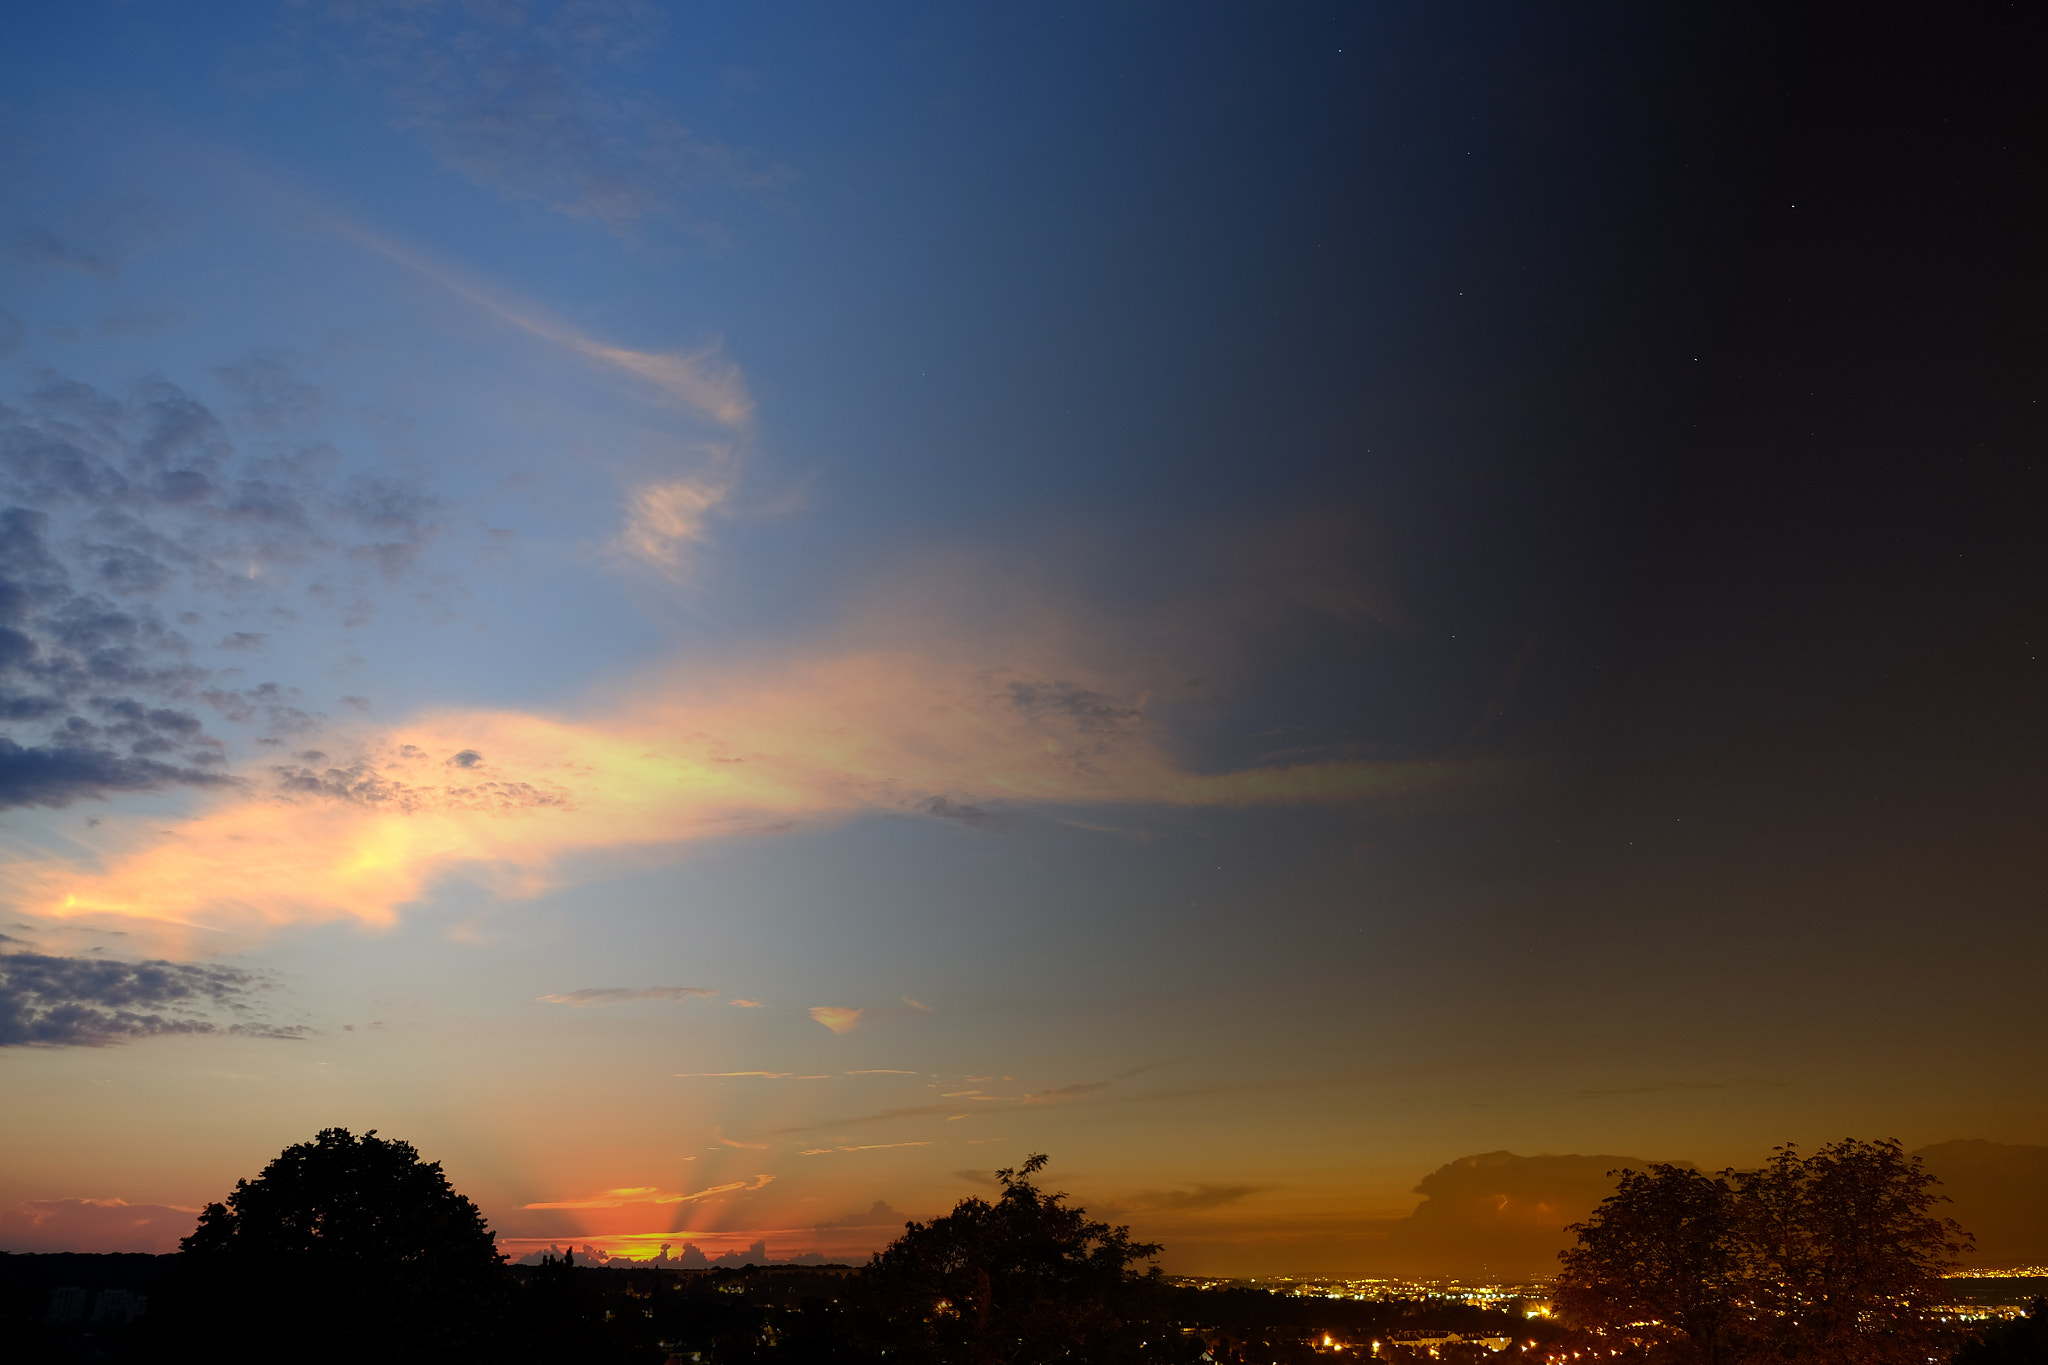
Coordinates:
1065 1092
125 569
624 995
268 702
272 394
468 758
139 323
1192 1200
94 234
88 1002
880 1216
1090 712
244 639
41 247
976 817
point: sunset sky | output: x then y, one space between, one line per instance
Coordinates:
730 616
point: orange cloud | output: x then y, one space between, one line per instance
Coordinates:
649 1194
864 1147
94 1225
836 1017
500 797
664 519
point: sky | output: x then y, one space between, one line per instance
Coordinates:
732 617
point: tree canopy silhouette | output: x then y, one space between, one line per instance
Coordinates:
344 1248
1662 1248
1828 1259
1025 1278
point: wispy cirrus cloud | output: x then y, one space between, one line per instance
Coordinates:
666 516
622 995
651 1194
703 381
862 1147
537 104
764 1075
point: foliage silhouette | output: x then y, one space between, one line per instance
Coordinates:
2022 1341
1026 1278
344 1248
1829 1259
1664 1248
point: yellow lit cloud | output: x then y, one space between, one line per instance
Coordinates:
838 1018
501 798
649 1194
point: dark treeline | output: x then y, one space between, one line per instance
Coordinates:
563 1312
350 1249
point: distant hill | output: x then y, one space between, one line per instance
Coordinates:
2000 1193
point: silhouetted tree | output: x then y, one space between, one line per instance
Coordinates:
2022 1341
343 1249
1662 1248
1829 1259
568 1314
1023 1279
1846 1255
